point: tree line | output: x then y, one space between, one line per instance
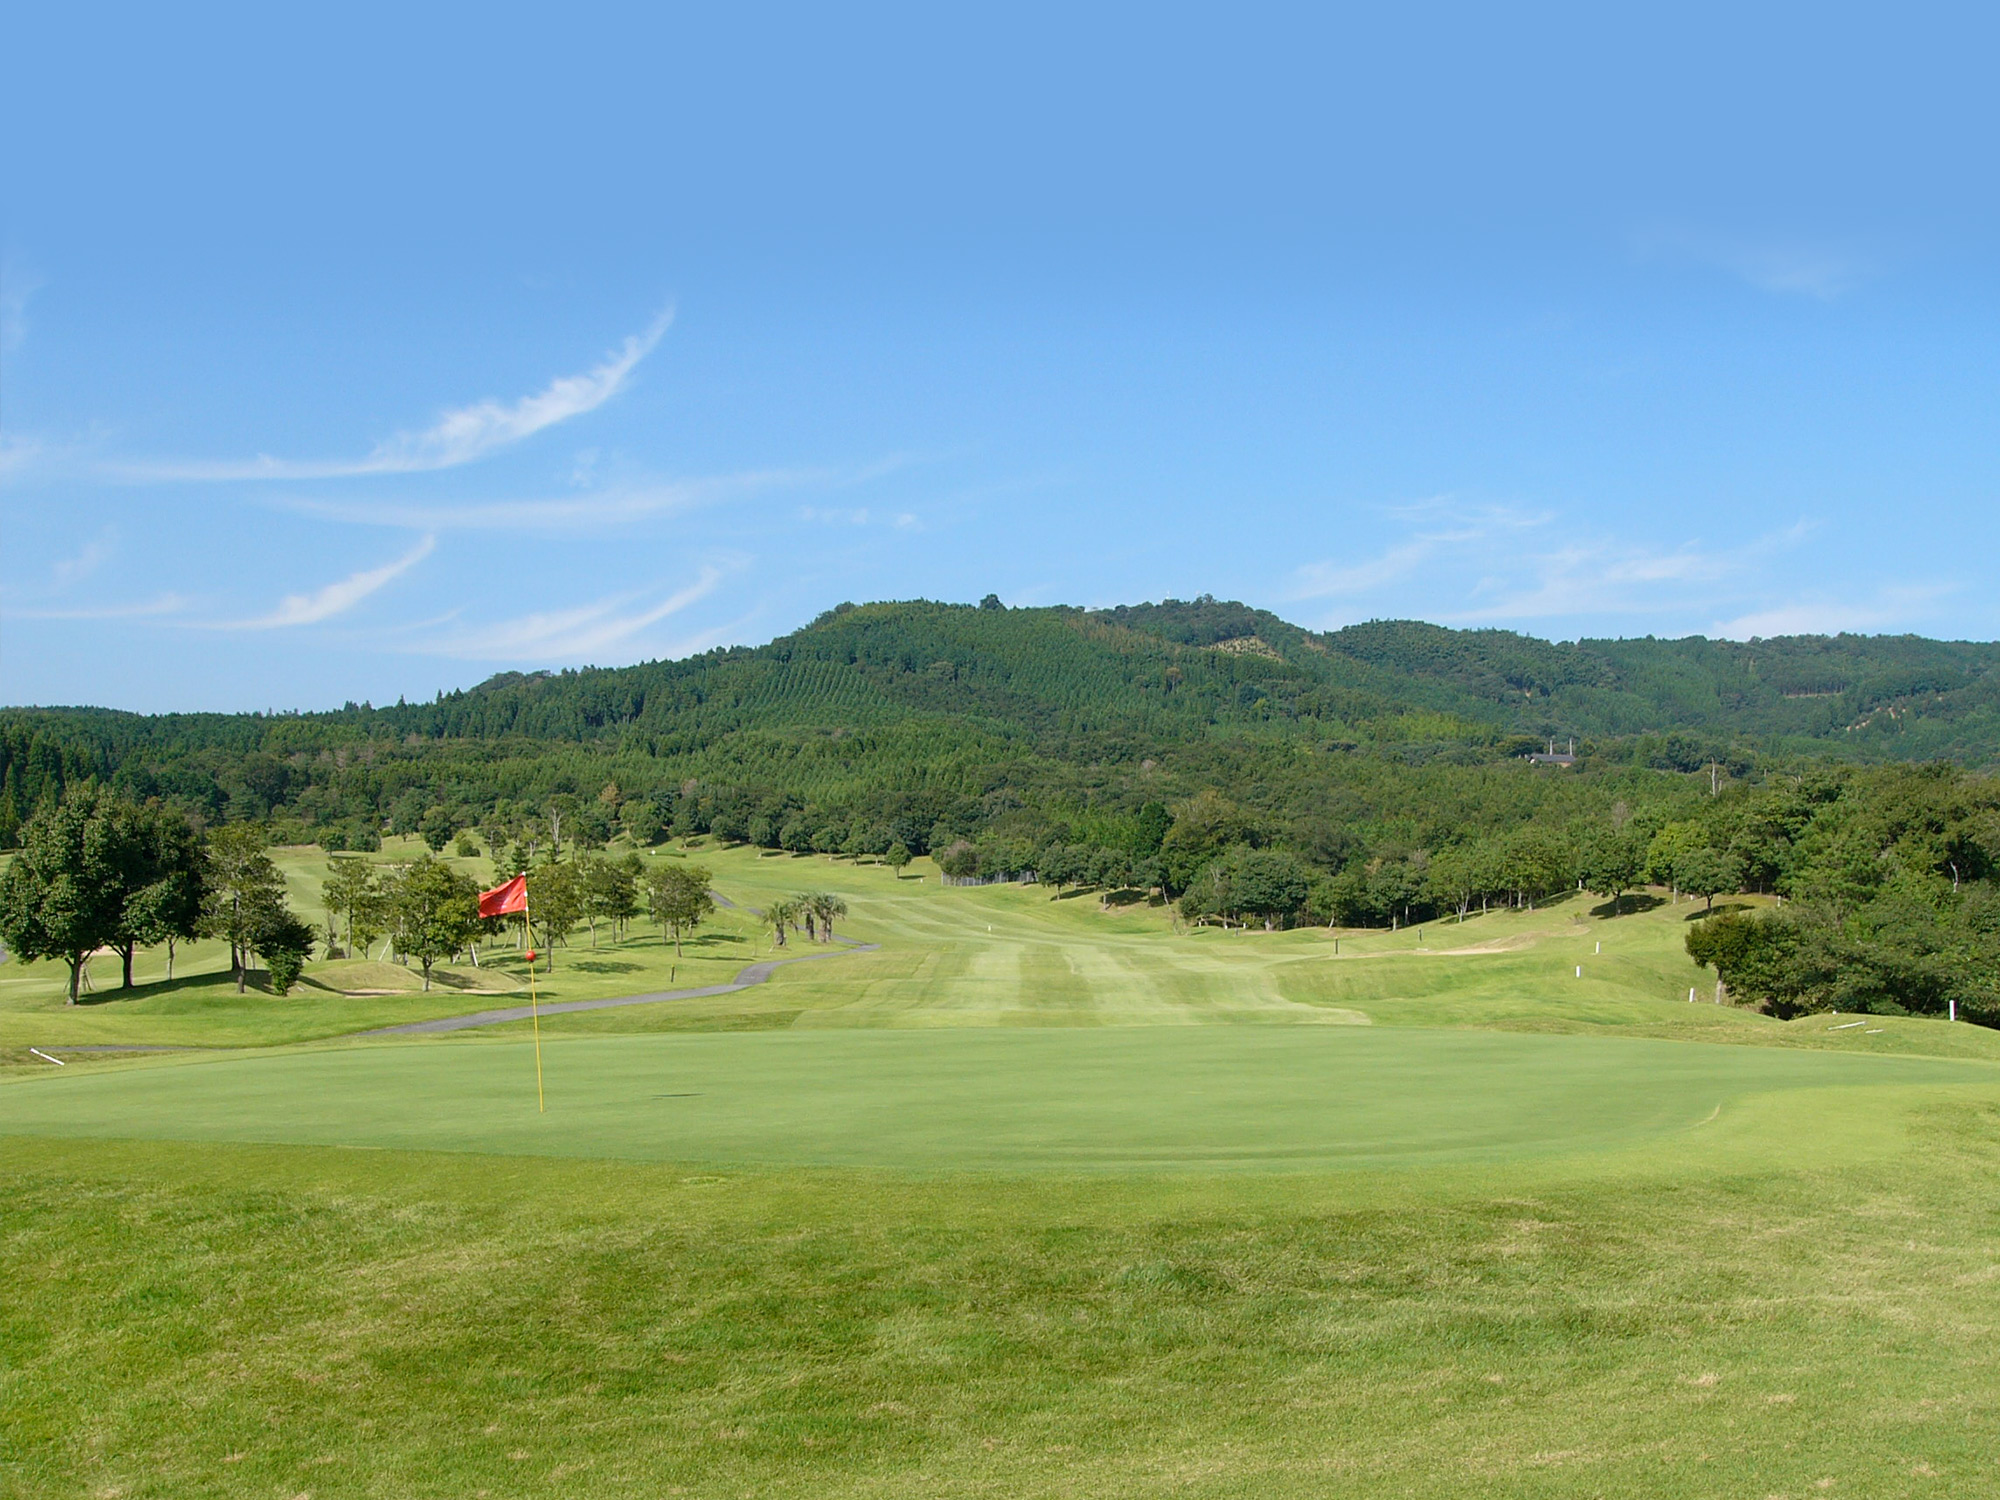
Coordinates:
1887 879
1891 887
901 716
97 872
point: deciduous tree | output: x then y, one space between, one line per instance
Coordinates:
60 896
245 892
679 898
436 912
349 884
555 903
165 882
1708 873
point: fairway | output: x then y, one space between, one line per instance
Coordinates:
1172 1098
1038 1197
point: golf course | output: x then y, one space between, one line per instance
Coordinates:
999 1194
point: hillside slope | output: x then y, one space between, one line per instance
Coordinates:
964 700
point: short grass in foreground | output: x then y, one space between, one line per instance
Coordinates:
1037 1200
190 1321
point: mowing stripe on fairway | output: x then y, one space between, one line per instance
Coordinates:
1143 1097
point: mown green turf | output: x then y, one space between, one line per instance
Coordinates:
997 956
1039 1200
189 1321
1176 1098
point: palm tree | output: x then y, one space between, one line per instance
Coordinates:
826 906
805 913
780 914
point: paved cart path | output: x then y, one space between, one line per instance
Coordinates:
755 974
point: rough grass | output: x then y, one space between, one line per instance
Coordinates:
1574 1260
251 1321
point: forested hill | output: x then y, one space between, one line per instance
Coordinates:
962 700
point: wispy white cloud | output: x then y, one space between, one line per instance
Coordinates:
570 635
459 436
1891 607
335 598
1441 526
163 604
1468 566
17 454
1786 265
902 520
70 570
17 284
1799 619
1329 579
565 513
612 506
1607 576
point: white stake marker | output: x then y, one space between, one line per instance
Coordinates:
46 1058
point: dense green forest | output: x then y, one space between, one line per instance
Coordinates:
1243 766
941 722
927 714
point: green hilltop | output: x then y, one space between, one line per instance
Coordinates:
1052 702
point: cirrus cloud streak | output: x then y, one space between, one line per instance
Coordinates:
570 635
458 436
335 598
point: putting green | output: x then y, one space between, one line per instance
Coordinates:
1147 1098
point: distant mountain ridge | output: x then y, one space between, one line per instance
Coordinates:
1896 695
935 686
1058 668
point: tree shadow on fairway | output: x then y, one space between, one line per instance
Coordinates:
1128 896
257 980
705 940
1717 910
602 966
1628 905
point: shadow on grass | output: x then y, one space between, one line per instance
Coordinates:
464 982
1629 904
257 981
1717 910
1129 896
602 966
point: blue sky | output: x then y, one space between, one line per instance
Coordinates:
364 355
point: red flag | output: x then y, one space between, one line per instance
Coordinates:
502 899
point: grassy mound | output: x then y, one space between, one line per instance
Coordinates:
362 976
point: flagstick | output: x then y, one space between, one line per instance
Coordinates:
534 1007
